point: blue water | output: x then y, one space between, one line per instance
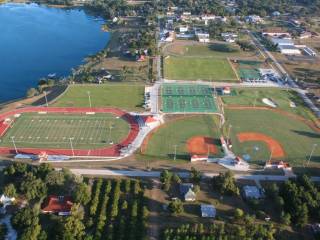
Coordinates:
37 40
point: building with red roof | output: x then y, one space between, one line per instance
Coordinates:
60 205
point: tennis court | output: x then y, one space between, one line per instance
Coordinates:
249 69
187 98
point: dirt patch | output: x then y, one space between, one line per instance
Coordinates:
201 145
274 146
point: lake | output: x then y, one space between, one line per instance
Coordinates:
37 40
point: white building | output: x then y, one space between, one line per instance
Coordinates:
253 19
282 41
203 37
289 50
183 29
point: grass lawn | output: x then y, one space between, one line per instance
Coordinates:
249 97
178 132
128 97
295 137
55 130
215 50
189 68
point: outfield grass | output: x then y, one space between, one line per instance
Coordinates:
55 130
128 97
295 137
249 97
193 68
162 142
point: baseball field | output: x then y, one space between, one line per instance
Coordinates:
60 131
187 135
258 135
128 97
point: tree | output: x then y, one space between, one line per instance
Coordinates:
10 190
225 184
285 218
195 175
81 193
175 206
73 227
165 178
32 92
238 213
33 187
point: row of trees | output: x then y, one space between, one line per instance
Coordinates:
297 201
121 212
249 230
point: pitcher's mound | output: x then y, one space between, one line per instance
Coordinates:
201 145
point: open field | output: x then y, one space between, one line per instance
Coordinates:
197 68
187 98
295 137
282 97
128 97
218 50
33 130
161 143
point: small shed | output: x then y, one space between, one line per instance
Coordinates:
252 192
190 196
208 211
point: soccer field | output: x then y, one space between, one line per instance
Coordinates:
196 68
128 97
34 130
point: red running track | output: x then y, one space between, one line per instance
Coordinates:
112 151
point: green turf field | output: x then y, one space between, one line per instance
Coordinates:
187 98
128 97
197 68
282 97
55 130
296 137
248 69
162 142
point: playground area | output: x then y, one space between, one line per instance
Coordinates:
187 98
67 131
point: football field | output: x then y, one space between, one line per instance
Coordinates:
82 131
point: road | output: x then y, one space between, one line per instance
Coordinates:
156 174
291 82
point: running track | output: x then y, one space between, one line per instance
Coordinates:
113 151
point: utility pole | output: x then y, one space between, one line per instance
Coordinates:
14 145
255 99
312 151
45 96
71 146
89 98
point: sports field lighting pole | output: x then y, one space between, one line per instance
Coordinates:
45 96
229 130
14 145
312 151
89 98
271 153
175 152
255 99
110 129
71 146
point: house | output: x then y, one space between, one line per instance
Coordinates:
203 37
5 201
229 37
207 211
282 41
253 19
305 35
275 32
276 14
183 29
186 192
252 192
226 91
277 165
60 205
289 50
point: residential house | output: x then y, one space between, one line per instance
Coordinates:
60 205
187 192
252 192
